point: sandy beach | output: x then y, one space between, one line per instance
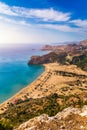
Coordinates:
60 79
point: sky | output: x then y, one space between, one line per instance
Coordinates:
42 21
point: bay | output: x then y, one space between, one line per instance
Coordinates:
15 73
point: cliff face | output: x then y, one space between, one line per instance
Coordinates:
48 58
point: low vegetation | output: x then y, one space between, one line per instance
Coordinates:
5 124
51 105
80 61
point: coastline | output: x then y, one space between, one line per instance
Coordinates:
52 80
19 94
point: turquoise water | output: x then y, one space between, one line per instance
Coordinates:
15 74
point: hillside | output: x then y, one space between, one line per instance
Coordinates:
68 119
65 54
57 99
59 87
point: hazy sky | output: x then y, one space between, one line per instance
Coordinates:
42 21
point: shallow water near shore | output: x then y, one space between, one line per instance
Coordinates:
15 74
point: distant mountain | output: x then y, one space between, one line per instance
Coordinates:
70 53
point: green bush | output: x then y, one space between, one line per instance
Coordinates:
22 112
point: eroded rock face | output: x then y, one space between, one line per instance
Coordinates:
69 119
34 60
48 58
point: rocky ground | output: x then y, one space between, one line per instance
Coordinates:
68 119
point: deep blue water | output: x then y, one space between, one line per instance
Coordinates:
15 74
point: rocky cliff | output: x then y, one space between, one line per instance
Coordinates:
48 58
69 119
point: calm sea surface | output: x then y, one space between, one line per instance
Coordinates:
15 74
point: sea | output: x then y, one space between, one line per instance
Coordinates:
15 73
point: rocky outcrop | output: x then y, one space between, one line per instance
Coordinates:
69 119
48 58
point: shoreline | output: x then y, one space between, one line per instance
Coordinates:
54 79
24 86
4 104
